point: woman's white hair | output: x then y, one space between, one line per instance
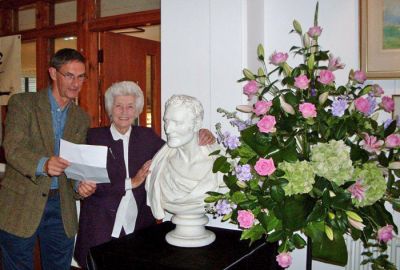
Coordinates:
125 88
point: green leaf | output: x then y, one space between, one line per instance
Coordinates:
226 217
277 193
275 236
390 129
238 197
298 241
211 199
219 164
383 160
216 152
295 211
254 233
245 153
334 252
317 214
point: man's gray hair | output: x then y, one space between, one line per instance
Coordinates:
192 103
125 88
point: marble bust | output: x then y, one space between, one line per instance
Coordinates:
181 174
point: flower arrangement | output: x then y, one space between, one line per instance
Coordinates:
311 159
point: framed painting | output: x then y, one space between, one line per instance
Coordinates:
380 38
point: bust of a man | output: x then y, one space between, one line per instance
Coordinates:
181 172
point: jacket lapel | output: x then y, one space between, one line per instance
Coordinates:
43 114
72 121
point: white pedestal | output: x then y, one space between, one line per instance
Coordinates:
190 231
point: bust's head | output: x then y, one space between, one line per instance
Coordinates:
183 118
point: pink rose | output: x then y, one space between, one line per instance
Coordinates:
308 110
377 90
262 107
301 82
326 77
362 105
392 141
284 259
267 124
245 218
314 31
334 63
385 234
360 76
251 88
265 166
387 104
278 58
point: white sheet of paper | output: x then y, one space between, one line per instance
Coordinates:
88 162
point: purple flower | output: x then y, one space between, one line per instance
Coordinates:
339 106
313 92
230 141
223 207
240 124
372 105
385 234
357 191
243 173
387 123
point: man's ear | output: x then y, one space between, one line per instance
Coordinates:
197 125
52 73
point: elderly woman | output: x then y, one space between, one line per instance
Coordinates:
120 208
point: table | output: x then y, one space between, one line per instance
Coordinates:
147 249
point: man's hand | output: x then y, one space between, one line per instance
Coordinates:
86 188
141 174
55 166
206 137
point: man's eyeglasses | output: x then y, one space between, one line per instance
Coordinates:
71 77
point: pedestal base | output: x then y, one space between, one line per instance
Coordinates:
190 231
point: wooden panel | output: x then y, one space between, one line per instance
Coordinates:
125 60
150 17
6 22
88 46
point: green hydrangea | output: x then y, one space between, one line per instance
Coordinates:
300 176
373 181
332 161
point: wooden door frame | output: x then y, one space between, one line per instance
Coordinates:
86 29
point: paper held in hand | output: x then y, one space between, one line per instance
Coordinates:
88 162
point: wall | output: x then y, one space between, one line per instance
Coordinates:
205 45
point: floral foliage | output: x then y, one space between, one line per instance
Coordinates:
311 158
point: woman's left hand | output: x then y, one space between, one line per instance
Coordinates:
206 137
141 174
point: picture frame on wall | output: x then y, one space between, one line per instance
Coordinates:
380 38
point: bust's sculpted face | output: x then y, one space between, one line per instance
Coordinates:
179 126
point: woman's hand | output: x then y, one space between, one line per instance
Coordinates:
141 174
86 188
206 137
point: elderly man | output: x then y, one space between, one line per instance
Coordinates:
181 174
